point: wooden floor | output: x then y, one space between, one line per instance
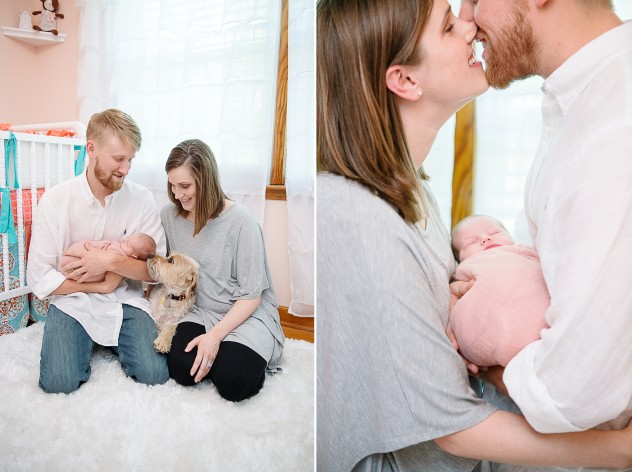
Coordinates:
296 327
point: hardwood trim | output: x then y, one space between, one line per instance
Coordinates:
277 172
276 192
296 327
464 159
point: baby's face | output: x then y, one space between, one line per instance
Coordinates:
479 234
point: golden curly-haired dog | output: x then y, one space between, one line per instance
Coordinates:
173 299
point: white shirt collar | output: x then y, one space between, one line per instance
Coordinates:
87 192
569 80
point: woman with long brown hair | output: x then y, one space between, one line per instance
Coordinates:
232 335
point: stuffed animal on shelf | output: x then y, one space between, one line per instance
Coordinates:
49 16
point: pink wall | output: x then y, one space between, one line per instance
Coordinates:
275 228
38 85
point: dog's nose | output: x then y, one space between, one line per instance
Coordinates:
150 256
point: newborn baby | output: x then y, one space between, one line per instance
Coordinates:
504 309
137 245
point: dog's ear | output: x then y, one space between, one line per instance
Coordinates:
192 283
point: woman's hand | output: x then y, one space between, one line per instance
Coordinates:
452 337
471 367
207 347
458 288
208 343
92 263
111 281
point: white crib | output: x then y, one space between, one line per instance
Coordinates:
40 162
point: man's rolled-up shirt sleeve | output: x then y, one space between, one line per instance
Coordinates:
44 252
578 375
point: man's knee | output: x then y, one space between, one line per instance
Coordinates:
150 372
60 382
136 351
65 353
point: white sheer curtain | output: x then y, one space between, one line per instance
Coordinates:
508 134
183 69
300 169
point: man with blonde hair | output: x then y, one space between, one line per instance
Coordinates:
578 203
99 204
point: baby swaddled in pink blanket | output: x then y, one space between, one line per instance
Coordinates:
504 309
137 245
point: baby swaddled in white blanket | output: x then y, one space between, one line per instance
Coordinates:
504 309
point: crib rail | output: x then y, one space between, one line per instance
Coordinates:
40 163
77 127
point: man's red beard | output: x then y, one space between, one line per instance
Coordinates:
106 180
513 54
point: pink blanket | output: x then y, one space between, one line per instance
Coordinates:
504 309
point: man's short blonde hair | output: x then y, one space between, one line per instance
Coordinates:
113 122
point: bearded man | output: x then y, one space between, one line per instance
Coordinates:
99 204
578 204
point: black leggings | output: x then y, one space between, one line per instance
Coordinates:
238 372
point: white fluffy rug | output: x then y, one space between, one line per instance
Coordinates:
112 423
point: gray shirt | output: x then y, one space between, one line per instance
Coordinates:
233 266
387 374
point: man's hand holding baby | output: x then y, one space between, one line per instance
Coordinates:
91 262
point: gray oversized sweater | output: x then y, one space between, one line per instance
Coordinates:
387 375
233 266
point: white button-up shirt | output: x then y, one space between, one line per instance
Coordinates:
578 204
69 212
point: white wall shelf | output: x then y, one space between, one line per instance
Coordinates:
32 37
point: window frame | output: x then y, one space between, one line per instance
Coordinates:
275 189
464 161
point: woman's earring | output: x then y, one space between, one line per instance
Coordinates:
419 93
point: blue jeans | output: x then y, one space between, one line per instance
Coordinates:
67 348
